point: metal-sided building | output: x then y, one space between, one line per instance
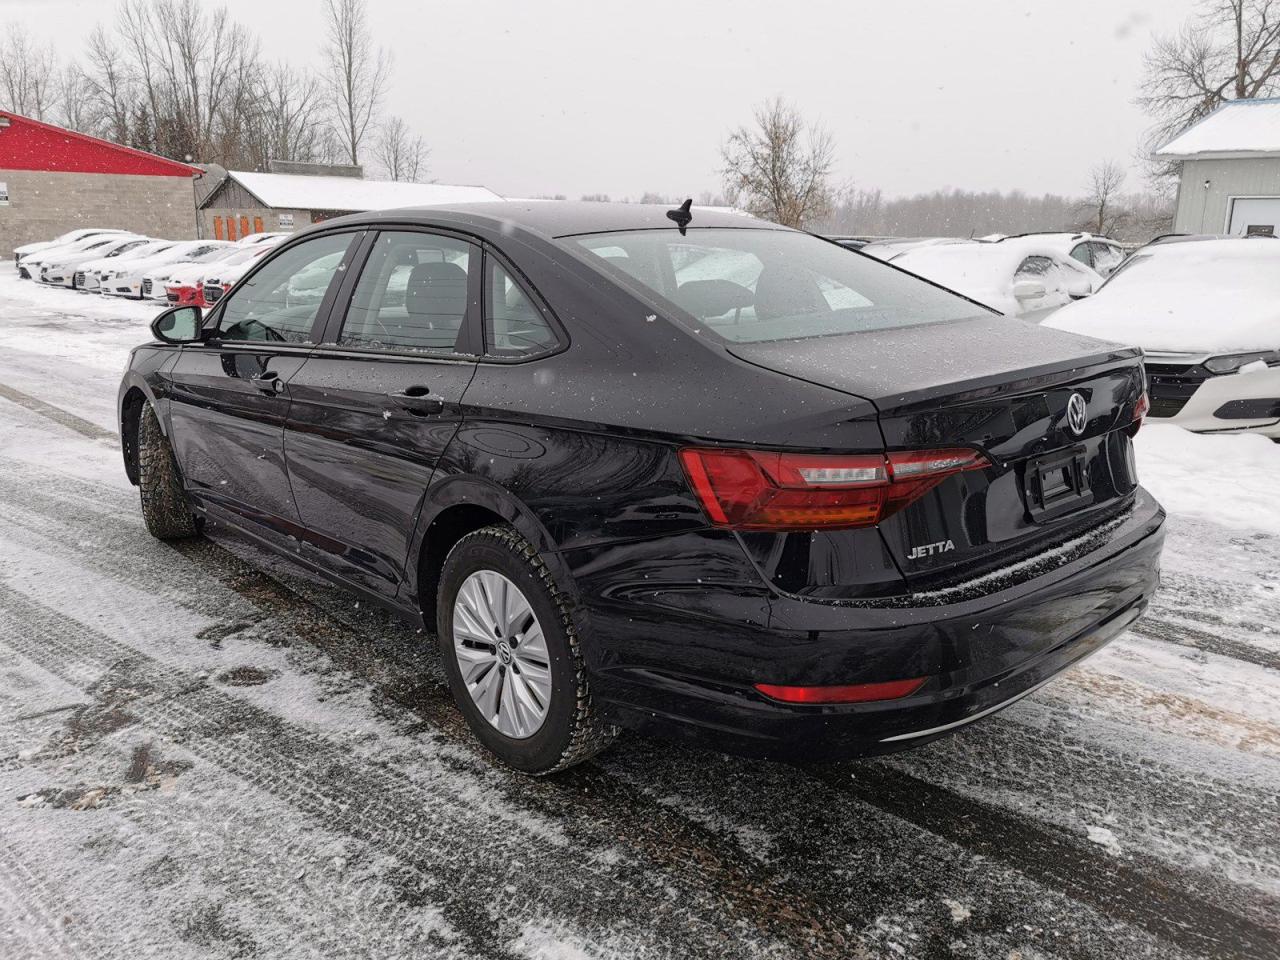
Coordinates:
1230 170
53 180
245 202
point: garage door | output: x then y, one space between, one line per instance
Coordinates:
1255 215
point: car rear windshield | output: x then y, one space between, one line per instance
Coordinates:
751 285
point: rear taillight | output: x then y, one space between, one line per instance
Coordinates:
849 693
1141 408
757 490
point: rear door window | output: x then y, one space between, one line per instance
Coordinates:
412 294
514 326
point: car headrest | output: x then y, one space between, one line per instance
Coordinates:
437 289
786 292
713 298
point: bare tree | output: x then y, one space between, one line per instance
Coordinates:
401 154
72 95
28 73
357 73
109 87
286 121
1105 182
780 169
1228 50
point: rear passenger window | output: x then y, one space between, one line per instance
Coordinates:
513 325
412 294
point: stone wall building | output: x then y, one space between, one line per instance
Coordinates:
53 180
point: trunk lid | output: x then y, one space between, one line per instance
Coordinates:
1003 387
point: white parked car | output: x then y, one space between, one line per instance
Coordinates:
154 281
1207 313
70 237
254 239
1019 276
887 248
63 269
1101 254
127 279
219 277
30 265
89 276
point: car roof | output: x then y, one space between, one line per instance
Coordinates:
559 218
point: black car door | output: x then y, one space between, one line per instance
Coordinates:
380 399
230 394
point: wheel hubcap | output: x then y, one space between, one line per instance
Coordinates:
502 654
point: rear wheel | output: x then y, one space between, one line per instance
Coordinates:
164 503
513 657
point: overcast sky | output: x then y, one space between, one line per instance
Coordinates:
574 97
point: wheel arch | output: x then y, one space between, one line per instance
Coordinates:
135 394
461 505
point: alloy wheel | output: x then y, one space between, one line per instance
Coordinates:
502 654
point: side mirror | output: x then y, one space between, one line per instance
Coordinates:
1028 290
1079 289
178 325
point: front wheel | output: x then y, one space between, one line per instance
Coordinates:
513 657
164 503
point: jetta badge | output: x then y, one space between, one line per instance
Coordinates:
1077 415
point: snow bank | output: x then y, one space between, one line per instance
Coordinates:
1231 480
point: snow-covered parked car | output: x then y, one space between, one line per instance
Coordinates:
89 276
1019 276
1100 254
886 248
63 269
128 278
220 277
70 237
30 265
155 281
1207 313
268 237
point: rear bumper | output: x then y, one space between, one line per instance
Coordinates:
979 654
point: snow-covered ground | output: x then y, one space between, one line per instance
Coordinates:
205 754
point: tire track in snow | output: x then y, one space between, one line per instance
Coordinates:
57 414
267 592
384 810
1170 905
38 917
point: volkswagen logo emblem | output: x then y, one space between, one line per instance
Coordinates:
1077 414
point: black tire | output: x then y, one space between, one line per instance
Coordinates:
164 504
572 731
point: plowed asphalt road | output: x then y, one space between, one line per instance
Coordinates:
205 753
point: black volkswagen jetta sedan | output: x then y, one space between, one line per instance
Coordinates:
708 478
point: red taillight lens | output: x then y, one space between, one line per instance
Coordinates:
757 490
850 693
1140 410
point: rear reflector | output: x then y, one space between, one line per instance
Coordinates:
852 693
759 490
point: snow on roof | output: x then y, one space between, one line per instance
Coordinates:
300 192
1238 128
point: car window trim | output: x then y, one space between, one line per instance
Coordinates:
469 334
214 318
539 303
